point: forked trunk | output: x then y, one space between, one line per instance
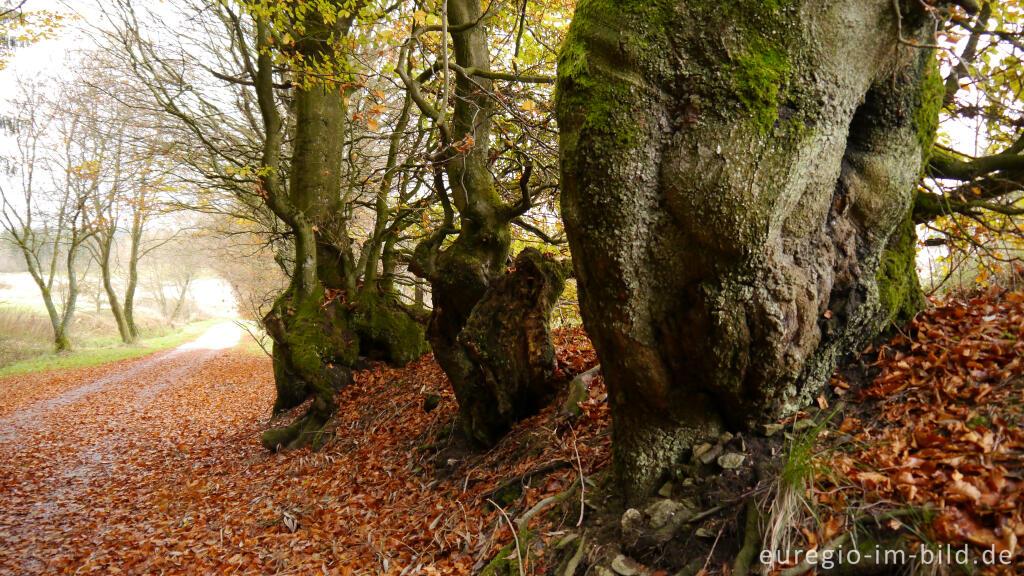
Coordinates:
489 327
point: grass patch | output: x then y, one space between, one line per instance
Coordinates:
103 349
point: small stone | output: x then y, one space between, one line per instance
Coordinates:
625 566
700 449
666 490
632 524
731 461
725 438
770 430
665 512
711 455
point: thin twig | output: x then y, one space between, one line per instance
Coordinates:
583 480
712 552
519 555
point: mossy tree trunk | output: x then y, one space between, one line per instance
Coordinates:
313 346
736 179
320 323
507 342
471 271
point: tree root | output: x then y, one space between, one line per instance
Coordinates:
751 541
569 569
543 469
523 521
308 430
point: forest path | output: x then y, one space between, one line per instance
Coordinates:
115 426
154 466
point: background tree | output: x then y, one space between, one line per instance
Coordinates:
970 201
738 203
20 27
48 221
131 173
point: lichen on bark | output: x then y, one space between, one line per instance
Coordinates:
732 247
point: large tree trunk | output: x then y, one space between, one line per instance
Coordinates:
317 325
61 342
314 347
734 180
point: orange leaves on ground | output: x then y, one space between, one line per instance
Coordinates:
950 401
157 467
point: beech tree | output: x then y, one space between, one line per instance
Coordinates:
737 187
288 156
489 327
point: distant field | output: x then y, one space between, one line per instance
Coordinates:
26 338
26 348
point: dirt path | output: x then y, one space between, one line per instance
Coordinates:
65 455
154 466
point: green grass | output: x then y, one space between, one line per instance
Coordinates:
105 349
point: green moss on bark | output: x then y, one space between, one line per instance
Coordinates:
387 329
928 104
899 290
597 71
759 76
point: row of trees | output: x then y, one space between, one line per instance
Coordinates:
85 178
366 220
740 184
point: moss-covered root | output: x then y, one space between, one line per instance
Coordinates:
308 430
751 541
513 555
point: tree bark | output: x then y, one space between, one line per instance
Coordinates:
312 348
469 284
733 177
133 275
314 325
507 337
106 241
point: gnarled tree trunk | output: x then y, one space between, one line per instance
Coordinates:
736 182
498 365
313 345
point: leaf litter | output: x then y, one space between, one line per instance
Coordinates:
161 470
931 451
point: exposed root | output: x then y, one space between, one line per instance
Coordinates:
751 540
308 430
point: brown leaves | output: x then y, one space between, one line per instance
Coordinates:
947 433
160 470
